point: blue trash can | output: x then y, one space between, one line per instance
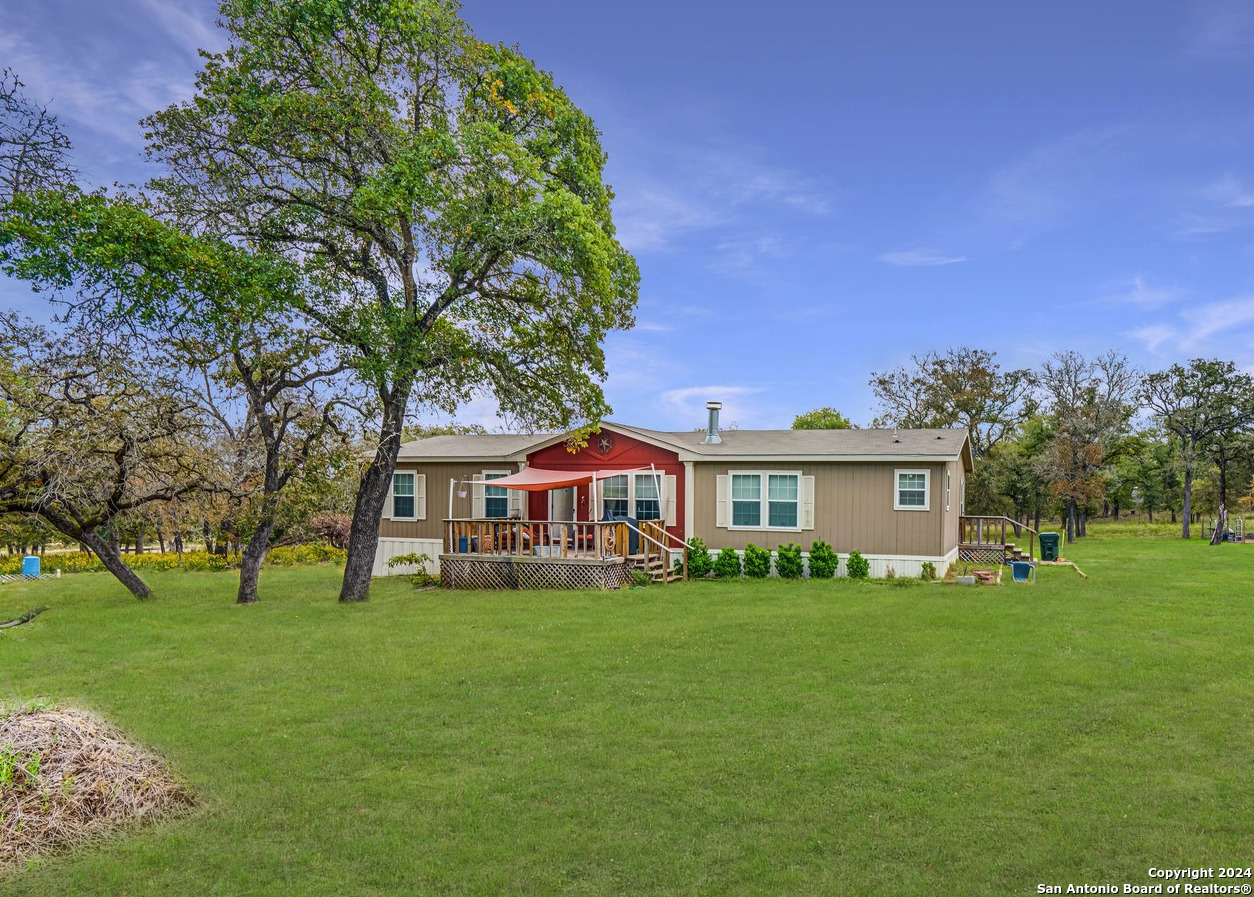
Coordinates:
30 566
463 545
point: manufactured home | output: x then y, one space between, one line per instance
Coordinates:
507 510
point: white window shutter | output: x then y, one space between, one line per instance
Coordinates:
477 505
420 496
668 500
807 502
721 515
516 502
389 507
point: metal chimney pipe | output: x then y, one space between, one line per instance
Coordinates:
711 430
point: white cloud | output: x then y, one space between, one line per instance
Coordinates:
1224 204
1222 29
919 258
1140 294
1200 329
685 407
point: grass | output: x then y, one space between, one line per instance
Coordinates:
709 738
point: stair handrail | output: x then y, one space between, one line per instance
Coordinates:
662 549
1032 534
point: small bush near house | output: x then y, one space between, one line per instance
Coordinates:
416 559
757 562
700 564
640 579
727 564
788 563
857 566
823 561
890 573
929 571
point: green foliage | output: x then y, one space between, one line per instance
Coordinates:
413 559
84 562
788 563
640 579
757 562
928 572
700 564
823 560
727 564
826 418
857 567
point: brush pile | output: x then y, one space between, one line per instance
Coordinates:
66 776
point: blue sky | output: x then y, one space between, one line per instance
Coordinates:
816 191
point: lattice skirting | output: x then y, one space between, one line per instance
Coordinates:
982 555
458 571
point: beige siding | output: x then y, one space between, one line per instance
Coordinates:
438 476
853 508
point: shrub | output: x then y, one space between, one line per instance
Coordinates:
700 564
757 562
929 571
823 561
857 566
727 564
640 579
788 563
890 573
331 527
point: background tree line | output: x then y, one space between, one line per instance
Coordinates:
1082 437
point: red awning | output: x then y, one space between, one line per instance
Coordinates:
535 479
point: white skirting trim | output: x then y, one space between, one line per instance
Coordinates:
390 548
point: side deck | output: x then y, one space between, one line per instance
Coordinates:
986 540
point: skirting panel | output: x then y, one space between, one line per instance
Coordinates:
459 571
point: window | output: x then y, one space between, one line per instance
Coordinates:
648 502
781 495
911 493
614 493
495 498
746 498
766 500
403 496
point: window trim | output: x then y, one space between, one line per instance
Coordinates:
633 509
764 518
413 495
927 490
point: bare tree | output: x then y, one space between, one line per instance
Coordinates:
1208 400
91 430
965 387
34 151
1092 402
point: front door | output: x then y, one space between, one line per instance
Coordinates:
562 504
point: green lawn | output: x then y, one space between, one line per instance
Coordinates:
709 738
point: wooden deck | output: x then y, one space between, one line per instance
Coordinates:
501 553
984 540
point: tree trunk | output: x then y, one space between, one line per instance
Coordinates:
1084 522
160 539
1070 520
139 543
250 564
1187 513
208 538
376 482
112 559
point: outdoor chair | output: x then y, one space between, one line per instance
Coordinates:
1020 571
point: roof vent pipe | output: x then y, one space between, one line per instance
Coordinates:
711 431
896 438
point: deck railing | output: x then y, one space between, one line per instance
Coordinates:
990 532
505 537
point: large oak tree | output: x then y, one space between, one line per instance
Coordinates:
449 191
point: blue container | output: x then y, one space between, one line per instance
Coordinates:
463 545
30 566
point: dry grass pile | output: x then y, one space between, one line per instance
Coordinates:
66 776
